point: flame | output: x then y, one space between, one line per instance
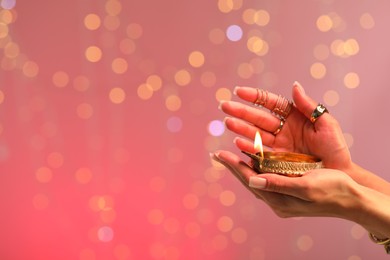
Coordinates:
258 145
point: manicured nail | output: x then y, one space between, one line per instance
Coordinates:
257 182
235 90
235 140
220 104
225 119
299 86
214 155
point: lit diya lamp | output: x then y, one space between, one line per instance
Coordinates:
284 163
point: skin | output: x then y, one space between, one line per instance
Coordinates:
342 189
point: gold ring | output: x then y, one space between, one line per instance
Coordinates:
318 111
262 99
280 127
282 107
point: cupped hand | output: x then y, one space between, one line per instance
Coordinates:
323 138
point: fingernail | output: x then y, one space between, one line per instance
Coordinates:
224 120
235 140
235 90
299 86
220 104
214 155
257 182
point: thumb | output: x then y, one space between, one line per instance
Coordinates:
304 103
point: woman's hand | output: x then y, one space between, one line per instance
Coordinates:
323 138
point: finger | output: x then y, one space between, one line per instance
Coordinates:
306 104
255 116
247 130
275 103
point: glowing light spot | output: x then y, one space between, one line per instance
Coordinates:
55 160
208 79
134 31
119 65
3 30
358 232
337 47
144 91
225 224
239 235
117 95
154 81
351 80
220 242
227 198
223 94
92 21
257 45
111 22
113 7
262 18
249 16
205 216
157 184
318 70
257 65
225 6
83 175
60 79
11 50
216 36
81 83
331 97
7 16
84 111
40 201
122 252
348 139
305 243
8 4
190 201
87 254
234 33
171 225
30 69
351 47
43 174
93 54
127 46
192 229
155 217
182 77
321 52
367 21
107 216
216 128
245 70
174 124
105 234
324 23
196 59
2 97
173 103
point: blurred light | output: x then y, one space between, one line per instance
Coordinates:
257 65
3 30
192 229
171 225
331 97
113 7
234 33
225 224
196 59
92 21
30 69
223 94
134 31
239 235
244 70
249 16
219 242
55 160
107 216
84 111
119 65
174 124
144 91
8 4
190 201
367 21
93 54
351 80
216 128
324 23
117 95
127 46
43 174
182 77
305 243
208 79
257 45
351 47
225 6
105 234
83 175
40 201
60 79
317 70
154 81
216 36
205 216
173 103
262 17
227 198
122 252
81 83
321 52
111 22
213 175
11 50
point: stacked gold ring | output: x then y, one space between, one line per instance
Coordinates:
282 107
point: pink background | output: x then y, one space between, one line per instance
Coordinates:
107 157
